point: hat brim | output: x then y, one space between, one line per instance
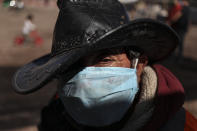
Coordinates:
154 38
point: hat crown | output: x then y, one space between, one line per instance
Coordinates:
82 22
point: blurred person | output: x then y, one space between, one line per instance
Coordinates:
28 26
29 31
107 79
174 12
178 19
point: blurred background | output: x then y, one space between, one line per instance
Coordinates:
26 28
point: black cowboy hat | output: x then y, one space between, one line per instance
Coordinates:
85 26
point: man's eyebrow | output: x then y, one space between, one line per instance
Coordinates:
108 52
103 54
115 51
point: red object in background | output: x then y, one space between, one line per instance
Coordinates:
176 8
19 40
190 124
37 39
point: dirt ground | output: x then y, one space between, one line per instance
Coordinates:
21 113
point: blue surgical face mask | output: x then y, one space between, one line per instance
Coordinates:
99 96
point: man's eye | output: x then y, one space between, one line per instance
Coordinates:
106 60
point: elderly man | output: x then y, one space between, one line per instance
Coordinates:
106 72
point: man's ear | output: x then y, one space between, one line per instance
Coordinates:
143 61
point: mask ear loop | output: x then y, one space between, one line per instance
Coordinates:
136 62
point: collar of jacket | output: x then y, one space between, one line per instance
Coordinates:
169 99
144 108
